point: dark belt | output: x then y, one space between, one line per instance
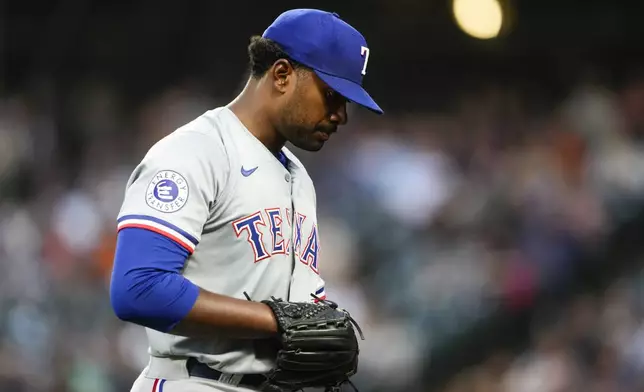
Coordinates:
198 369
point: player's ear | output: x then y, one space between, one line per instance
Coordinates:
283 74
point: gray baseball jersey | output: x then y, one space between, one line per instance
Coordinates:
248 222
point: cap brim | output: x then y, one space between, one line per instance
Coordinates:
351 91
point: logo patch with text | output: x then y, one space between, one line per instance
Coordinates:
167 192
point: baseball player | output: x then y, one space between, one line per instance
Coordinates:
218 242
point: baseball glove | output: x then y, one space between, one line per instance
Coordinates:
318 346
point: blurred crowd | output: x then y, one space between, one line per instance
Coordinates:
428 222
592 343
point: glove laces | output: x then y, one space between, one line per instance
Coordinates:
334 305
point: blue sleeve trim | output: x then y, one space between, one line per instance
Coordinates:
147 287
161 222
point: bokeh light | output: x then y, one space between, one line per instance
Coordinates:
481 19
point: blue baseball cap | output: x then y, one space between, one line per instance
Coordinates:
332 48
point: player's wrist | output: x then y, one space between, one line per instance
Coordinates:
271 320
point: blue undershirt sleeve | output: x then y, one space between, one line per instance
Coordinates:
147 287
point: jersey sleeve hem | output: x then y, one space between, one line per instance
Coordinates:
159 226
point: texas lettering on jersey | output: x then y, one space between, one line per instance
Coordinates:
267 224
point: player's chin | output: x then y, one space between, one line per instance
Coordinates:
311 144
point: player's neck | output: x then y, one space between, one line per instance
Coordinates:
249 111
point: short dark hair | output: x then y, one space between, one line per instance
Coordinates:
263 53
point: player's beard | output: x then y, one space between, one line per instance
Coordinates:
297 130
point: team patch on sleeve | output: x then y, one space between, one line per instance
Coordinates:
167 191
159 226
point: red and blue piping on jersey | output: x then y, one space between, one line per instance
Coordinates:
160 226
320 294
158 385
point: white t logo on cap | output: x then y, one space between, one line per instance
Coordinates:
364 51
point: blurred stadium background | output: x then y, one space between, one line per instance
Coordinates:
486 232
